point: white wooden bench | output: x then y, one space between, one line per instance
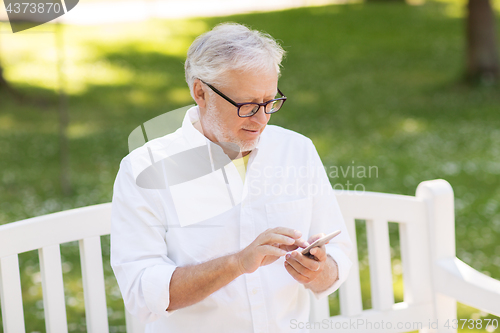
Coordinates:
434 279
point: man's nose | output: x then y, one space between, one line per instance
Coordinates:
260 116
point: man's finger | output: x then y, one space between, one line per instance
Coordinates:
272 238
298 243
319 253
303 264
301 243
296 275
269 250
298 267
295 234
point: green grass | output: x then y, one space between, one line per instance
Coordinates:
371 85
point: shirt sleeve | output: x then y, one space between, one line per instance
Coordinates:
326 218
138 248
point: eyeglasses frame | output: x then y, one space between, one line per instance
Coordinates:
239 105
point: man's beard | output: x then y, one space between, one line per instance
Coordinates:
212 124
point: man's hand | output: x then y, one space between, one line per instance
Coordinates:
306 269
268 247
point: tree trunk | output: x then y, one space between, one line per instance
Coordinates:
4 85
482 54
3 82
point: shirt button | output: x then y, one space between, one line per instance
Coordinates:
255 291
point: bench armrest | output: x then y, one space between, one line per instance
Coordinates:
458 280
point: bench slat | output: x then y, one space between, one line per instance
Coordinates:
11 295
388 207
350 291
53 289
93 285
71 225
414 258
401 318
379 255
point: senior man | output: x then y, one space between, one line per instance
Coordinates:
220 251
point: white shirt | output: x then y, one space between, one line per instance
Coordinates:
153 231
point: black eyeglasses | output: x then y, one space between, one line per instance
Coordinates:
249 109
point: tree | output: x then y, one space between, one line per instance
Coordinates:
4 85
62 109
3 82
482 54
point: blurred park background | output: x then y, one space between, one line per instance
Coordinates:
376 83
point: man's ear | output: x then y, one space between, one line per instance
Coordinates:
199 93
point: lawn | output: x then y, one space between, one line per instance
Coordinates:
373 85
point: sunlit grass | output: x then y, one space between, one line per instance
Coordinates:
371 85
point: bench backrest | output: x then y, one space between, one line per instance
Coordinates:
45 234
426 236
412 215
433 278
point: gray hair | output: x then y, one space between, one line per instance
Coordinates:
230 46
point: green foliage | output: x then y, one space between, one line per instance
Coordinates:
372 85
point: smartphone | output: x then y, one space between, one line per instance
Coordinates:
319 242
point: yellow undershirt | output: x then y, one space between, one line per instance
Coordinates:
241 165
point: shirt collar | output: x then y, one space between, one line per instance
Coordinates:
194 137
